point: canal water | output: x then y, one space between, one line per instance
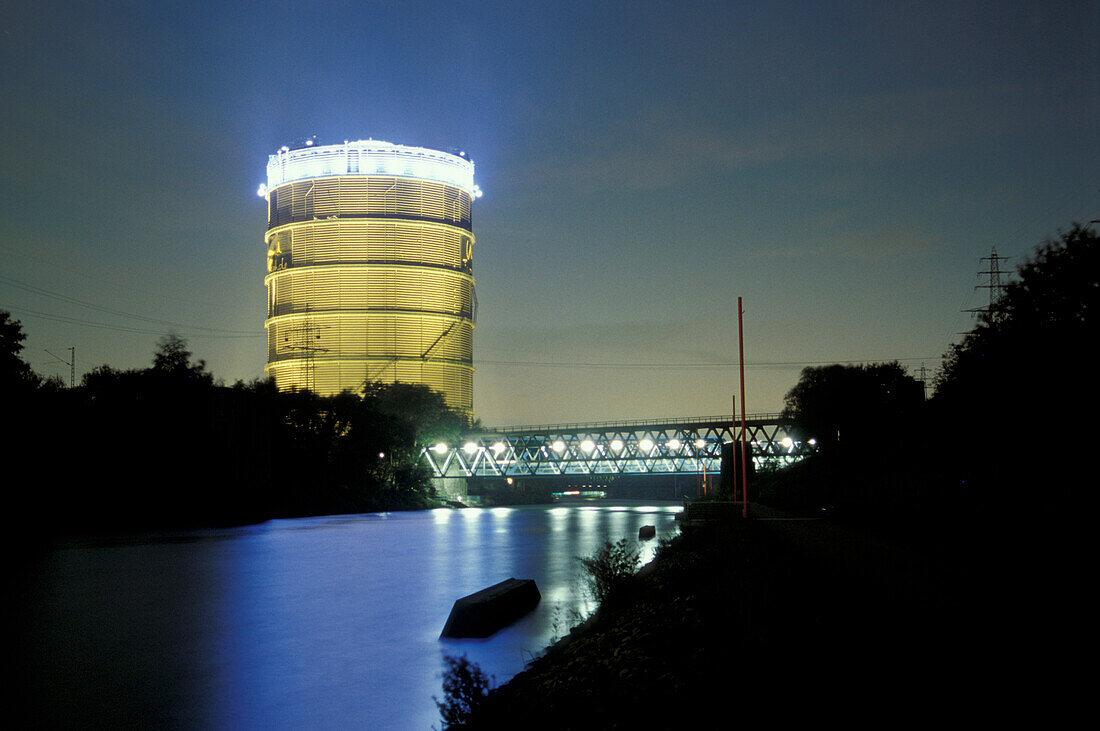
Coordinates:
328 622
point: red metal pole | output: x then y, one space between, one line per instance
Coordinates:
744 467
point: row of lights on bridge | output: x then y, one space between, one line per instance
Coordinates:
588 446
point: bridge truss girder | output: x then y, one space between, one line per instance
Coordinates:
680 447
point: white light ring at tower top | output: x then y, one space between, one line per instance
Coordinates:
370 157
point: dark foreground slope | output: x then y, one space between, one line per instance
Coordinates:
773 620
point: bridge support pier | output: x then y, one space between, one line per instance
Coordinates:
451 488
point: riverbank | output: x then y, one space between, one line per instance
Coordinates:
778 618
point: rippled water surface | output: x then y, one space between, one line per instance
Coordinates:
315 622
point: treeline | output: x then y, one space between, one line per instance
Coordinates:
1006 433
168 447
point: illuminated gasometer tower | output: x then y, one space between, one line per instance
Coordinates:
370 268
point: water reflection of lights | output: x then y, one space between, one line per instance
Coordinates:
588 514
442 515
558 523
560 593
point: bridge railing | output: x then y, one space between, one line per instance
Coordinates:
638 423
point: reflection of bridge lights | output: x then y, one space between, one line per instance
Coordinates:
469 447
558 446
587 446
646 445
674 444
616 445
440 448
498 447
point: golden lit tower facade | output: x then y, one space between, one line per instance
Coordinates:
370 268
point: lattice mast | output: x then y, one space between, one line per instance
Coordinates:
993 283
306 339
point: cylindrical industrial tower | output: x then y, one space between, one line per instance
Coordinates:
370 268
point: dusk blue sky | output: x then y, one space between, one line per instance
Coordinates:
843 166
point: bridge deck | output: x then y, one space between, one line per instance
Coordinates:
690 445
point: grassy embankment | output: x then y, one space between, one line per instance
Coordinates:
794 620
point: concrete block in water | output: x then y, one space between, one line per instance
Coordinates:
482 613
646 532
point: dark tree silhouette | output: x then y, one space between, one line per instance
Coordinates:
1035 342
465 688
174 449
422 409
14 371
829 403
1022 382
172 358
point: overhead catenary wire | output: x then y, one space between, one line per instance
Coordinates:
625 364
183 330
111 311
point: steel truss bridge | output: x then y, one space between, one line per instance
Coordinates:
685 446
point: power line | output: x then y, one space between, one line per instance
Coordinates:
71 362
111 311
125 282
758 364
23 312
